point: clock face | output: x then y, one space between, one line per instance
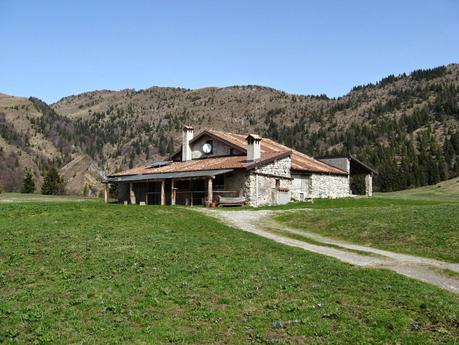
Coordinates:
207 148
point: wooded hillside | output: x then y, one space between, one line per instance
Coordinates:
406 126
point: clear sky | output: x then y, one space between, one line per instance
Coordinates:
52 49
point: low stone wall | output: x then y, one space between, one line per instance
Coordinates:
329 186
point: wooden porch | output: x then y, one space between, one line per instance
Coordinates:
188 191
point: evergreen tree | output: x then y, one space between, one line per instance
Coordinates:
131 160
53 184
170 146
28 184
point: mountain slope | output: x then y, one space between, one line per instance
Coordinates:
406 126
33 136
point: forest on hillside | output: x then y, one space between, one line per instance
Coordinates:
405 126
415 149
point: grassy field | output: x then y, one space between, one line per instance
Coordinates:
20 198
424 230
85 272
422 221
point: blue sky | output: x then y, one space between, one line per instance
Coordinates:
52 49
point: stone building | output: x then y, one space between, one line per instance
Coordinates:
217 165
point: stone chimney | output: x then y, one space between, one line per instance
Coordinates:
253 147
187 135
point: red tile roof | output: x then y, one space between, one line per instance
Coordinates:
270 150
300 161
216 163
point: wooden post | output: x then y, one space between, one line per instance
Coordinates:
163 195
106 193
191 193
209 191
173 192
369 185
131 193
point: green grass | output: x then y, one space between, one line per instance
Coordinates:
427 228
307 239
354 202
19 197
85 272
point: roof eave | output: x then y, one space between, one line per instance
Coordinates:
311 171
373 171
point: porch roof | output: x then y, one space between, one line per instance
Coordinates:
166 175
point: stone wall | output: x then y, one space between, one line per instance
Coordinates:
235 181
279 168
260 185
329 186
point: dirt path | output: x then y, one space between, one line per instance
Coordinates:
262 224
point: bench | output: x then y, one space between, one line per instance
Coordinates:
231 201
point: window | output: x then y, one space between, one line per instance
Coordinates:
277 183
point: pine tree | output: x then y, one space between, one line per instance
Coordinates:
170 146
53 184
28 184
131 160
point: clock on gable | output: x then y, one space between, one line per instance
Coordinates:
207 148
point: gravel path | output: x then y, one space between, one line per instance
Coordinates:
423 269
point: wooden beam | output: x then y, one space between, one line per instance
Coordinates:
106 193
368 185
191 193
173 192
132 194
163 194
191 178
209 191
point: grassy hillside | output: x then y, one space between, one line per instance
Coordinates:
33 136
69 274
406 126
445 191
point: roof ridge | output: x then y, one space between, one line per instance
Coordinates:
230 133
276 146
